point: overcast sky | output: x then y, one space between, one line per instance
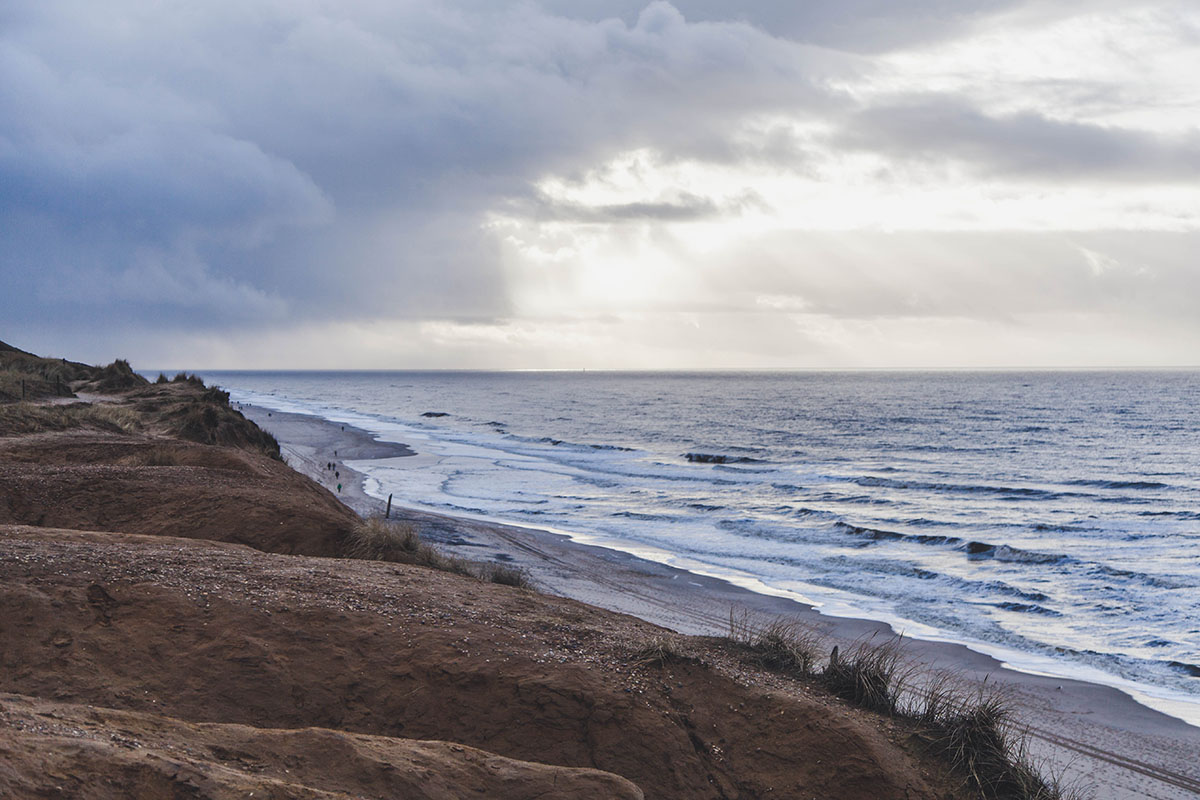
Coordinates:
620 184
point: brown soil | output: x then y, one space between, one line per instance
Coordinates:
141 664
62 750
138 484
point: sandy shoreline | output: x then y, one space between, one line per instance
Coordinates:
1096 733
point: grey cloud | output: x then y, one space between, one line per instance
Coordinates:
678 207
325 160
1025 145
854 25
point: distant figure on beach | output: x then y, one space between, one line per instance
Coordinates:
339 488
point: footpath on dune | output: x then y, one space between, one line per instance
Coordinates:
178 619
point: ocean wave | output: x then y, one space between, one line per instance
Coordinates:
1045 527
1004 588
1158 581
1186 668
1188 516
643 517
1004 552
857 499
1103 484
1001 491
1029 608
720 458
743 470
559 443
876 534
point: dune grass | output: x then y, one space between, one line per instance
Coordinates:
504 575
779 644
973 728
377 539
871 675
662 650
22 418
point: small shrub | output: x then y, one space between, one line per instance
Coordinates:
162 378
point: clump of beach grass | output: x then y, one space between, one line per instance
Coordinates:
378 539
869 675
781 645
973 729
505 575
660 651
976 731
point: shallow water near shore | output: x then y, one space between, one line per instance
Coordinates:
1050 514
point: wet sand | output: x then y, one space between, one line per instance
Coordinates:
1094 734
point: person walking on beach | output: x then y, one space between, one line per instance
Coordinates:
339 488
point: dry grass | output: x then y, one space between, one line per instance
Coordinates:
976 731
779 644
22 418
870 675
378 539
660 651
973 729
505 575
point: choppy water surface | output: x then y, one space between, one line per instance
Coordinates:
1056 514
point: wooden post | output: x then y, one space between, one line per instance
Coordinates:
388 514
22 390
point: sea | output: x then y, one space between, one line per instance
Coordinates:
1051 519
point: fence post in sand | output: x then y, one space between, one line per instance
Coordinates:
388 513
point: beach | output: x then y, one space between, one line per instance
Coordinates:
1094 734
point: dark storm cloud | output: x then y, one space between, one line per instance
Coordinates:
201 163
1026 145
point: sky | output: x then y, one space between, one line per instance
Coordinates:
568 184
